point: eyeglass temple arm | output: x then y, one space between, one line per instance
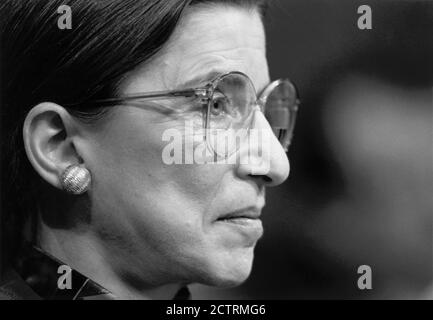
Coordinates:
198 92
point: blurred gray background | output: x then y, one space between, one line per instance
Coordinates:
361 183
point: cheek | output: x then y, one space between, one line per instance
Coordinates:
142 194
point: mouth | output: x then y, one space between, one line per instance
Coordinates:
242 215
245 222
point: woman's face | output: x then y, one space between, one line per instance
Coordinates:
162 223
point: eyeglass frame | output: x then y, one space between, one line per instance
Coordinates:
206 93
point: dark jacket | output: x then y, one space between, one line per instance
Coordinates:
38 276
13 287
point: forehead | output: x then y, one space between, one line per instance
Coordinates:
209 38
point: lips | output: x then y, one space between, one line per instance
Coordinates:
246 213
245 223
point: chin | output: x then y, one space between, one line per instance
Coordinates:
231 270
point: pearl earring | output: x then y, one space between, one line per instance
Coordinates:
75 179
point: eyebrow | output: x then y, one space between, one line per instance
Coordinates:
202 79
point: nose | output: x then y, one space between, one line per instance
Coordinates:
263 158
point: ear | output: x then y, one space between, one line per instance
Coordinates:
48 133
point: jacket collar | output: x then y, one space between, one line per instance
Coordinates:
51 279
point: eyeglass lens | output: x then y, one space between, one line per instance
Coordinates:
280 111
230 112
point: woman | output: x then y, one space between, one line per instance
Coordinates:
85 111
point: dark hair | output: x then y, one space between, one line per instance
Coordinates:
40 62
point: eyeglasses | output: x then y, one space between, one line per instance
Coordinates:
228 105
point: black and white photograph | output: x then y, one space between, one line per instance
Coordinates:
216 150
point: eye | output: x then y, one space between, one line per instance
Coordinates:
220 105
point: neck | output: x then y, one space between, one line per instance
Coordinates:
82 252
